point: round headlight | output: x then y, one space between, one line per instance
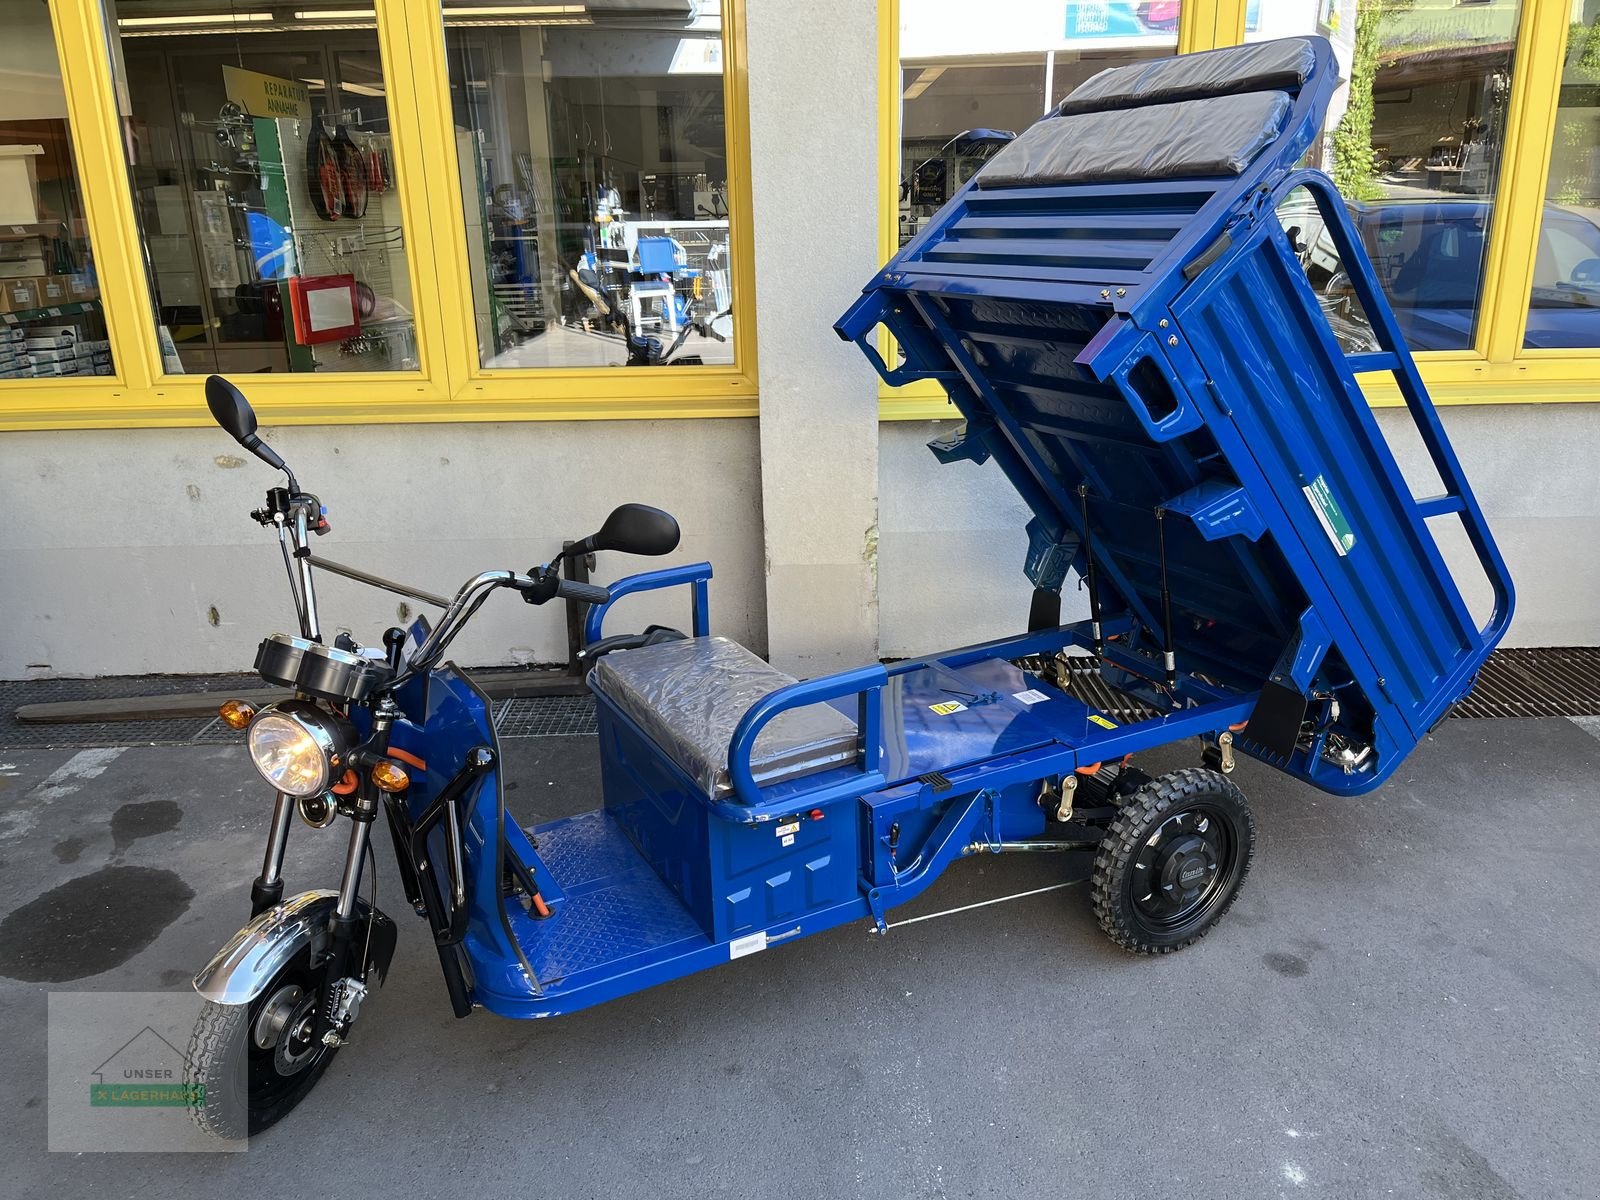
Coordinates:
291 752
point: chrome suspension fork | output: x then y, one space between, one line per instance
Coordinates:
366 811
267 890
350 880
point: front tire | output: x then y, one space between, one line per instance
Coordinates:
1172 861
281 1060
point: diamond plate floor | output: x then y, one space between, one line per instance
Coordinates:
616 907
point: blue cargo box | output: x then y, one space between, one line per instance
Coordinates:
1117 310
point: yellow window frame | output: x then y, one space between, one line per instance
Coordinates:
449 384
1498 369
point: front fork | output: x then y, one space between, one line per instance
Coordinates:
267 890
337 1007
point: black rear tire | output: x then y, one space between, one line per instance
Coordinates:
274 1078
1172 861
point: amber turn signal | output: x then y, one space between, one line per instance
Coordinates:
236 714
391 777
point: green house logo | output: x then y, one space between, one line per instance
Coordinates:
147 1071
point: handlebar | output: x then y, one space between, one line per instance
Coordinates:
539 585
298 516
586 593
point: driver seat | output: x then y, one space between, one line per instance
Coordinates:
689 696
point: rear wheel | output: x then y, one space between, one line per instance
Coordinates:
275 1037
1172 861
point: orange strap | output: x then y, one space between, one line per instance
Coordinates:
406 756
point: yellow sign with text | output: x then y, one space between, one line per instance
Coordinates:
266 95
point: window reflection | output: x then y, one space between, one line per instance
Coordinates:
51 322
594 174
973 76
1564 307
1414 140
259 152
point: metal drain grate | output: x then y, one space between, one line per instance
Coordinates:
546 716
1546 681
1536 681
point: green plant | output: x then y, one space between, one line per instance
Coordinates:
1354 169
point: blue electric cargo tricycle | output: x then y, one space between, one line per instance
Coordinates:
1115 307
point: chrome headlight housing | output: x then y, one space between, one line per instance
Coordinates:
296 747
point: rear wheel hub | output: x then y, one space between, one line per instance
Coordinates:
1178 866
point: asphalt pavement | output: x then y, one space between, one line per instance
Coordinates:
1402 1003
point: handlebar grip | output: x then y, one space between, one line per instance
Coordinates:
586 593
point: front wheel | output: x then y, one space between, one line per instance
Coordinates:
1172 861
257 1061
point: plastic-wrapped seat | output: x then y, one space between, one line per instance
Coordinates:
689 695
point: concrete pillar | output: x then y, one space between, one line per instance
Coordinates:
814 168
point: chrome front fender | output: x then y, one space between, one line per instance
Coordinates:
242 969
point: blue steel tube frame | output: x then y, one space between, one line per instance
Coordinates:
1458 498
697 576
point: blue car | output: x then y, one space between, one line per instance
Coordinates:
1429 256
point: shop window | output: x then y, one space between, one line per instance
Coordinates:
51 323
973 76
258 149
1564 308
594 174
1414 140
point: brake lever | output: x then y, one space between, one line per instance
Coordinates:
653 635
617 641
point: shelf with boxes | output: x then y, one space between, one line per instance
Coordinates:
50 318
47 351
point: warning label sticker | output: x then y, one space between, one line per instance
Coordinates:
945 707
1103 722
1330 515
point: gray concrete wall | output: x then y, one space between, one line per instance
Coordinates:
952 542
131 551
814 174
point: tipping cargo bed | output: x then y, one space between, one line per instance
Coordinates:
1114 306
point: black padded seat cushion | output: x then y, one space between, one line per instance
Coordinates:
690 695
1276 66
1216 136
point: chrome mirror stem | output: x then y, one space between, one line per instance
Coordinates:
307 589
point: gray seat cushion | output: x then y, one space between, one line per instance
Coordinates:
1195 116
1276 66
689 696
1219 135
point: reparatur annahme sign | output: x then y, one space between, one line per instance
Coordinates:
266 95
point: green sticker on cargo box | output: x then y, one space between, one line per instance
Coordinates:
1330 515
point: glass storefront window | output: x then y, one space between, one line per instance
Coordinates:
51 322
259 154
594 174
1414 140
972 76
1564 308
